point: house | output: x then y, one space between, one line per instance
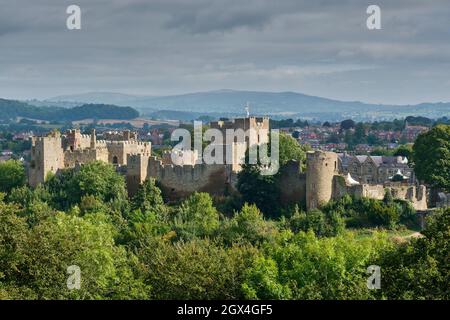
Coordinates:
375 169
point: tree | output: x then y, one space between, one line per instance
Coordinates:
198 269
419 269
405 150
303 266
261 190
290 149
196 216
13 240
98 179
360 133
431 157
60 241
262 281
328 223
347 124
37 248
12 175
148 197
248 225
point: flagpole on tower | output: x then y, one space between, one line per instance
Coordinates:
247 109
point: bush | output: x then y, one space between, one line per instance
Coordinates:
12 175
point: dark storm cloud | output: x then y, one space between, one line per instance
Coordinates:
169 46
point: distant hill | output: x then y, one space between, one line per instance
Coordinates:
276 104
11 109
99 98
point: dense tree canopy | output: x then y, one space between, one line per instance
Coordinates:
97 179
419 269
431 156
12 175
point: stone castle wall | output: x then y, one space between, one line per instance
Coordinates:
321 182
73 158
292 184
118 150
416 195
54 152
180 181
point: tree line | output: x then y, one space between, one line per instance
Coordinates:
11 109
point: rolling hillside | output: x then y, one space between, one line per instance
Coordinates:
11 109
277 104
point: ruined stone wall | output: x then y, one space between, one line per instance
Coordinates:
180 181
74 140
376 191
118 150
137 170
81 156
415 195
292 184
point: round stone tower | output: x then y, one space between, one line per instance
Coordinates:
321 168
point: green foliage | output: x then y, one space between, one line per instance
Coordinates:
290 149
12 109
148 197
248 225
141 248
34 259
12 175
261 190
322 224
405 150
196 216
199 269
96 179
419 269
262 281
365 212
302 266
431 156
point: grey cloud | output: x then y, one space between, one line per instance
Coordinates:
170 46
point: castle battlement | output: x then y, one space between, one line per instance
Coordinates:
55 151
321 182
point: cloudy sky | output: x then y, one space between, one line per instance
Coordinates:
159 47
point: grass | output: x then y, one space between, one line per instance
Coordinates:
400 231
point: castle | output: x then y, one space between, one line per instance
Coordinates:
323 180
55 151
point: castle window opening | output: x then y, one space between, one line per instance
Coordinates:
115 160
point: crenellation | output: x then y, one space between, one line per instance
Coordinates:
324 178
55 151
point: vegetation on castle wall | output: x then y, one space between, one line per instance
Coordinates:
264 190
